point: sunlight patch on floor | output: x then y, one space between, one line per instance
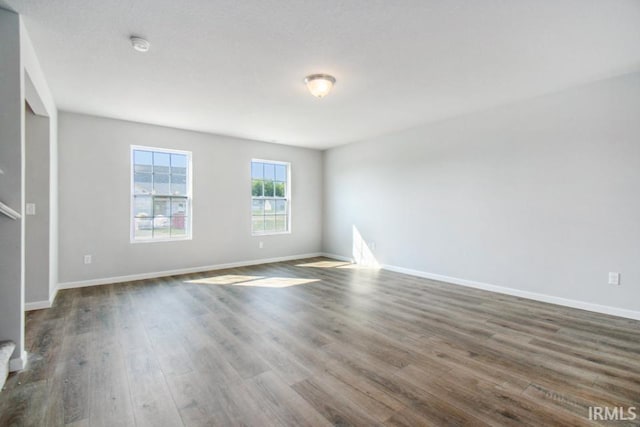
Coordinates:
227 279
278 282
255 281
325 264
358 267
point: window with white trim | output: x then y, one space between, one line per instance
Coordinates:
160 194
270 197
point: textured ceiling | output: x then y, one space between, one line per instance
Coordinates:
237 67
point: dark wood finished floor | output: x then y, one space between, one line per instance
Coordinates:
316 342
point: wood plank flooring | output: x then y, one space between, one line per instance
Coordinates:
316 342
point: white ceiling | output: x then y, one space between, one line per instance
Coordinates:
237 67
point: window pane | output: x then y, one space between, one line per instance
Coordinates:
256 189
160 222
257 170
281 173
281 223
143 222
161 228
268 189
178 226
269 223
269 171
161 184
280 189
178 206
143 229
142 183
142 157
179 185
142 168
161 207
269 206
161 162
179 164
257 224
281 206
257 207
142 206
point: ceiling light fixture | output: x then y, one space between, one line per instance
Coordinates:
319 84
140 44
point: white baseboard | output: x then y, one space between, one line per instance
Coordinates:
36 305
338 257
583 305
142 276
39 305
18 363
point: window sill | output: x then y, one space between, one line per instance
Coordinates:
160 240
269 233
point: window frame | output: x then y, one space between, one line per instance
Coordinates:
189 195
286 197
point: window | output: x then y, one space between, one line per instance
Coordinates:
270 193
160 194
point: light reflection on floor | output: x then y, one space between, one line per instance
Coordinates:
255 281
325 264
227 279
337 264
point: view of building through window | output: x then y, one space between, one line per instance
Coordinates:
161 194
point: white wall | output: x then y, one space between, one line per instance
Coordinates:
542 196
94 200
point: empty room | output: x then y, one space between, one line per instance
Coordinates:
305 213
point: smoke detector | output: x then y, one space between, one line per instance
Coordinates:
140 44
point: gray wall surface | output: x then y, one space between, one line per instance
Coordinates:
541 196
42 169
11 182
94 200
37 175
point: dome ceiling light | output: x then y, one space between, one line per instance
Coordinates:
319 84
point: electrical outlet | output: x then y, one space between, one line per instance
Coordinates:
87 259
261 244
614 278
31 208
372 246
